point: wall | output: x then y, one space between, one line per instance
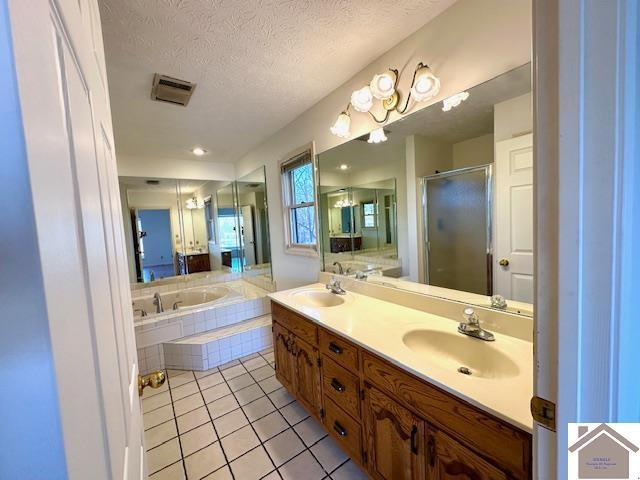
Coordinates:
474 151
512 117
157 243
174 168
461 61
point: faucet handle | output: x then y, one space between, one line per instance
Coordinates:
471 316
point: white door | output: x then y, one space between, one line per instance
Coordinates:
67 127
513 227
248 236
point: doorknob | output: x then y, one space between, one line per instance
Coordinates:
503 262
153 380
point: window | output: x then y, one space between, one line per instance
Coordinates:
299 202
369 214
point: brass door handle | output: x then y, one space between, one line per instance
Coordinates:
503 262
153 380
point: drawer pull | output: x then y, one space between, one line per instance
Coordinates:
335 348
340 429
337 386
414 443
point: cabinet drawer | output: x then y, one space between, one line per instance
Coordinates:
299 326
340 350
341 386
494 439
344 429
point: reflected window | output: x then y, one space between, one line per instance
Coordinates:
369 214
227 228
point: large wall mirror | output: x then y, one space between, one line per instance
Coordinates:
178 228
444 206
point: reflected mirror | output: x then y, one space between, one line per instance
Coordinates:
444 206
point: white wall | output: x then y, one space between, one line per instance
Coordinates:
468 44
474 151
174 168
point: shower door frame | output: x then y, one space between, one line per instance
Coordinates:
488 168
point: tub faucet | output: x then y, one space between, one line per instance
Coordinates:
157 301
472 326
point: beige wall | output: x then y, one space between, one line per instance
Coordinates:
468 44
473 152
513 117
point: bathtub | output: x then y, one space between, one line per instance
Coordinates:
183 299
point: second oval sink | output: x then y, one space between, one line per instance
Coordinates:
317 298
452 351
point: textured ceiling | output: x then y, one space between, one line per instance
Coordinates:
258 64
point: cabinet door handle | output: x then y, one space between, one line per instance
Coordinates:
414 440
337 386
431 445
340 429
335 348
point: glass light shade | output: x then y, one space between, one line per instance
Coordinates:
194 203
198 151
377 136
342 125
362 100
454 101
426 85
383 85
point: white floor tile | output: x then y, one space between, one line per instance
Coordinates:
249 394
187 404
221 474
204 461
193 419
184 390
239 442
160 434
214 393
157 416
222 406
258 408
281 397
349 471
252 466
302 466
270 426
197 438
172 472
294 412
230 422
270 384
156 401
310 431
163 455
328 453
283 447
240 382
210 381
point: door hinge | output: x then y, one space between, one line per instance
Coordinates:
544 412
322 413
362 394
319 362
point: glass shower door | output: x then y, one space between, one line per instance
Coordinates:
457 216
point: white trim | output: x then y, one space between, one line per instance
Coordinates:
290 247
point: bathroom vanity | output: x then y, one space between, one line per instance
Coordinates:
382 379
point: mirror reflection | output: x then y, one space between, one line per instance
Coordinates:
184 227
444 206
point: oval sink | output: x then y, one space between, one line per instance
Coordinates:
452 351
316 298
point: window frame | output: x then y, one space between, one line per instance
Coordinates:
288 205
374 214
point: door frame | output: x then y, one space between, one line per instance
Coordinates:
587 218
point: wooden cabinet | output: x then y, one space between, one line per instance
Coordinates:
282 340
395 438
307 376
193 263
394 424
345 244
451 460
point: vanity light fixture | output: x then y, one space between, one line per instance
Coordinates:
198 151
384 87
454 100
193 203
377 136
362 100
343 203
341 127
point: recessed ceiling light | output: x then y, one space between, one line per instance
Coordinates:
344 166
198 151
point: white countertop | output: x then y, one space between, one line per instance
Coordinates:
380 326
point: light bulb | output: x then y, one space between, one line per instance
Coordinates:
344 166
377 136
341 127
362 100
454 101
198 151
383 85
426 85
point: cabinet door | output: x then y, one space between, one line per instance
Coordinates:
307 376
282 341
395 438
450 460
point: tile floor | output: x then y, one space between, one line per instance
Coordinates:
236 422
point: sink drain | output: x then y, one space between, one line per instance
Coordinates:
464 371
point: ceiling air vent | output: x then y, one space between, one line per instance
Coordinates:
171 90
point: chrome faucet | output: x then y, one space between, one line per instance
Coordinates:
143 312
498 301
157 301
175 304
472 326
340 269
335 287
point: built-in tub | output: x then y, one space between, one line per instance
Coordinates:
183 299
